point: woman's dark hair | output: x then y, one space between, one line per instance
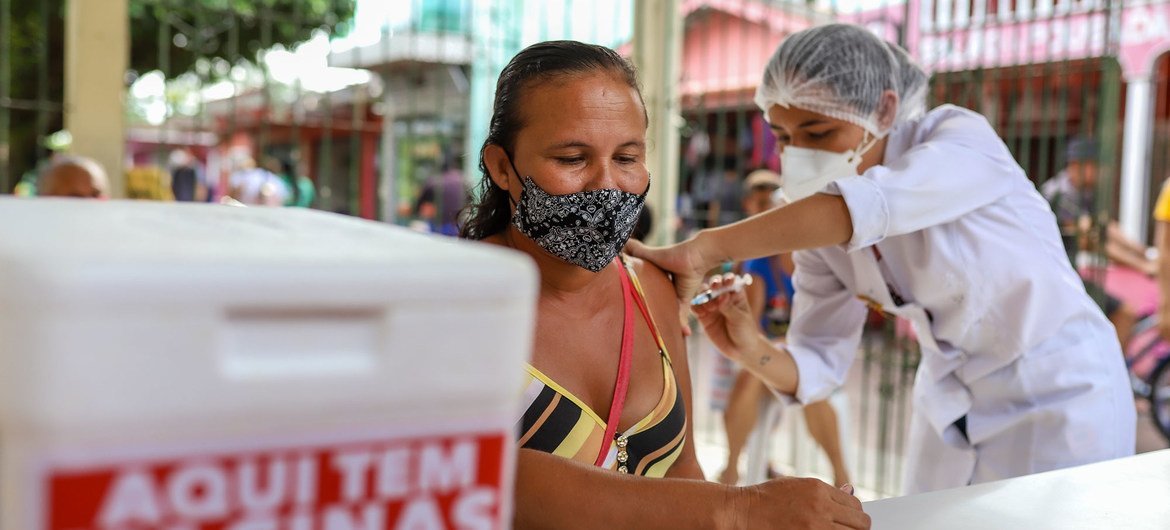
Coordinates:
645 224
488 212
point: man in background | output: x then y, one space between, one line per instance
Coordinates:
1073 196
443 197
1072 193
74 176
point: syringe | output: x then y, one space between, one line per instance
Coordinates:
738 284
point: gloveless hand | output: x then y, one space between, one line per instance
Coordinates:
790 502
728 321
684 261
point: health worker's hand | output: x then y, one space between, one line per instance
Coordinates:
728 321
683 261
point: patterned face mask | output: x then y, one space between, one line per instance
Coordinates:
587 228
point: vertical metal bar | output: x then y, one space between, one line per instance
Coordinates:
388 172
1060 132
1061 77
1109 107
726 161
164 66
5 93
325 160
296 155
1014 74
204 122
906 370
1050 128
993 77
357 117
42 126
885 401
741 122
866 374
408 176
1055 74
422 124
706 166
233 55
1035 112
1085 127
1037 73
264 141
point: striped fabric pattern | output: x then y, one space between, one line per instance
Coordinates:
555 421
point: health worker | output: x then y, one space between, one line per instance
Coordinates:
926 216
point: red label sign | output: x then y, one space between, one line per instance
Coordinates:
419 483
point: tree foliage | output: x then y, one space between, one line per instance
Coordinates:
168 35
226 29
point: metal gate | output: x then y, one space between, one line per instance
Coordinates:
31 92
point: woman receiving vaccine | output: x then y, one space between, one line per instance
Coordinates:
926 216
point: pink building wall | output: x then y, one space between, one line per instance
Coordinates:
1141 34
725 47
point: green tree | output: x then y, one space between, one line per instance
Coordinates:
167 35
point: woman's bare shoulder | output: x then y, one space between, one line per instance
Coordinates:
656 284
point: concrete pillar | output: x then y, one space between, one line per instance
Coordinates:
97 54
658 38
1135 158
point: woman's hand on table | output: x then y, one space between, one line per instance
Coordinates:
790 502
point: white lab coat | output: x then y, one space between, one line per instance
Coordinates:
1009 337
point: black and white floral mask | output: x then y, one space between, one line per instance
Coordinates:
587 228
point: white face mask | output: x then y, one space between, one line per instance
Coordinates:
807 171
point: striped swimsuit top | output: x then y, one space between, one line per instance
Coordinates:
555 421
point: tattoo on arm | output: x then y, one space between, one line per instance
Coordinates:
765 359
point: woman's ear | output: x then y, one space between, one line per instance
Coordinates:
498 165
887 110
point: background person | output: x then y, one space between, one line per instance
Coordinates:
770 299
74 176
1072 193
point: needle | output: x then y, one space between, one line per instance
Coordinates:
737 285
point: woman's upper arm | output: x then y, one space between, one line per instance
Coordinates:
664 307
555 492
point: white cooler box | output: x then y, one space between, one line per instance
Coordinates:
199 367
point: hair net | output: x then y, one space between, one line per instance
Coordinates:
841 71
912 86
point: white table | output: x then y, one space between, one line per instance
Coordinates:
1127 494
